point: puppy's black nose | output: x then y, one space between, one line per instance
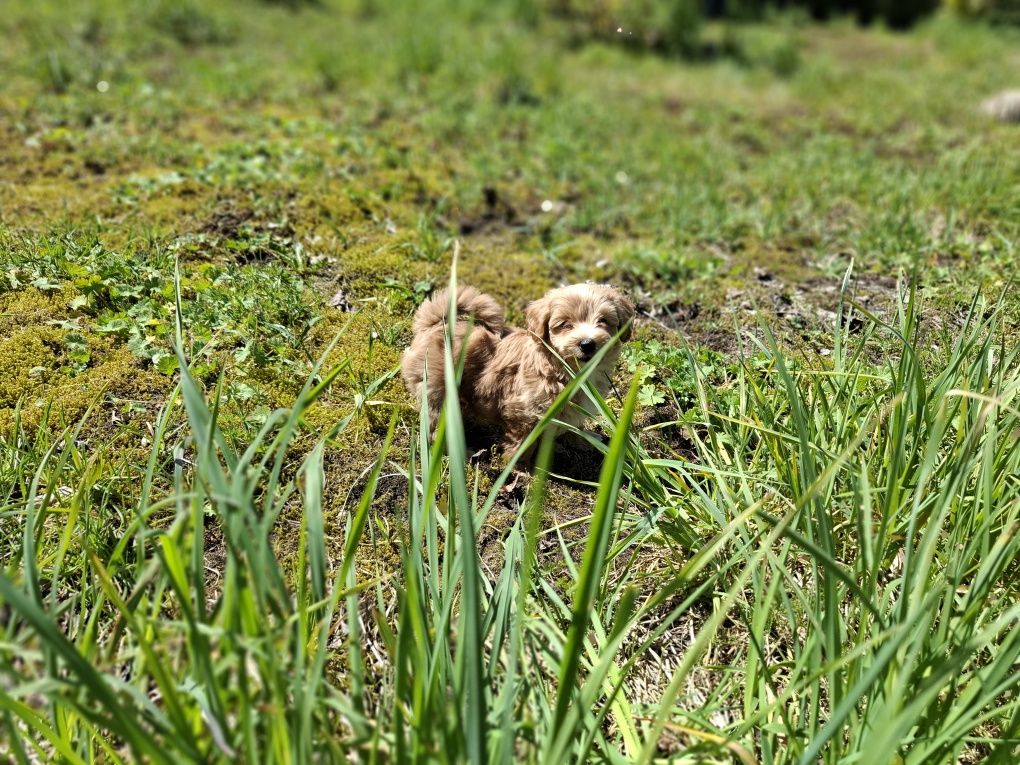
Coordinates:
587 346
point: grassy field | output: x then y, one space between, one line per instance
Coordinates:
224 533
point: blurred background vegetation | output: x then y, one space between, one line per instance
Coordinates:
290 151
672 26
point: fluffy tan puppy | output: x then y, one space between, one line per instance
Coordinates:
511 376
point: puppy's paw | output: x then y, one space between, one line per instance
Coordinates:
518 484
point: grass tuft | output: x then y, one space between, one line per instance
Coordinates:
854 523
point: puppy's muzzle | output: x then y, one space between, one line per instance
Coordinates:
587 348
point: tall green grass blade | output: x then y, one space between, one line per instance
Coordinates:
591 573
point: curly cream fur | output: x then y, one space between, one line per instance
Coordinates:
511 376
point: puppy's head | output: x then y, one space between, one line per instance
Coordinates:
578 320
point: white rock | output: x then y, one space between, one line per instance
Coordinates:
1004 107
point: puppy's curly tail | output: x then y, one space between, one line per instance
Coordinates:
482 309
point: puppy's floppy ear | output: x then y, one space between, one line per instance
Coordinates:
538 314
624 314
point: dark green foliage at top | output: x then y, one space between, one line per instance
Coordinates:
674 27
898 14
1004 12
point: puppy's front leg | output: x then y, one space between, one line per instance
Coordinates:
511 442
520 474
513 439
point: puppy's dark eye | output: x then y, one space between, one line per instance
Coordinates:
563 326
603 322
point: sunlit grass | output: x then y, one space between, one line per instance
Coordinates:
856 525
